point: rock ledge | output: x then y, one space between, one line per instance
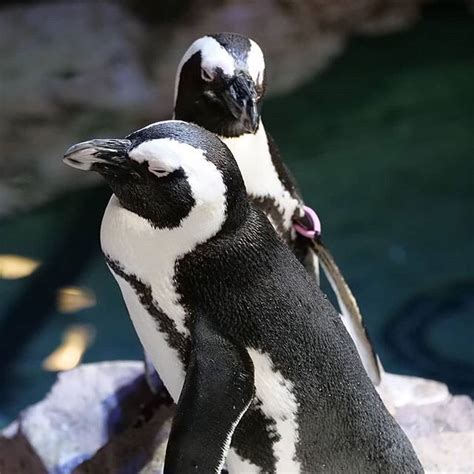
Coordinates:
101 418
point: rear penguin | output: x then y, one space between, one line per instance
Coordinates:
220 85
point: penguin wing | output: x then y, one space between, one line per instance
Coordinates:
350 312
217 391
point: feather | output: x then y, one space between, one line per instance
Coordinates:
350 312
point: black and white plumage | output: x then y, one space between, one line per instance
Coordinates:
265 377
220 85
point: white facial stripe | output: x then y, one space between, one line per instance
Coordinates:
213 55
278 403
157 154
165 153
256 63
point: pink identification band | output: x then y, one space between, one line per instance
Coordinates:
315 228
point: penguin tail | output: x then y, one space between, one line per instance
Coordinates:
350 313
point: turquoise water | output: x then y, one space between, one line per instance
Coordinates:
382 145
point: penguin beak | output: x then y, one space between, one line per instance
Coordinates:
240 98
98 154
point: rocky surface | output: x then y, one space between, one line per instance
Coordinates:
74 70
101 418
95 418
440 425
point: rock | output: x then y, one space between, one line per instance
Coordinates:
69 71
455 415
74 70
446 452
86 408
398 390
141 447
440 425
101 418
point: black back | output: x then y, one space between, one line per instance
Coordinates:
257 294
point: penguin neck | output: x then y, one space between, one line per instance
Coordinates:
237 202
122 228
133 241
252 153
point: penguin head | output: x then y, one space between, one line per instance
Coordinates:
165 171
220 84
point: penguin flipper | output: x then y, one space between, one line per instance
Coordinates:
350 312
217 391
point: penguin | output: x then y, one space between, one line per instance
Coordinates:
220 85
258 361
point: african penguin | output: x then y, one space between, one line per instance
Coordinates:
220 85
264 375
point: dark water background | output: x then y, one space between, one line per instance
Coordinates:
383 147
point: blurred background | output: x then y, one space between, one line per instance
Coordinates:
371 102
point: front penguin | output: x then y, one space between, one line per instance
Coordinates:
264 375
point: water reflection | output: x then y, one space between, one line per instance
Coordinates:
13 267
75 341
70 299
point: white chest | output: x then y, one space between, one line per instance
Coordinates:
260 176
150 255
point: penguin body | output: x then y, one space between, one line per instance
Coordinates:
220 85
264 375
227 102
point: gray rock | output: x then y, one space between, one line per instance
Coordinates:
446 452
455 415
69 71
101 418
440 425
86 409
399 390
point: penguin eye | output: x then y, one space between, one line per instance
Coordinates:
206 75
160 172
